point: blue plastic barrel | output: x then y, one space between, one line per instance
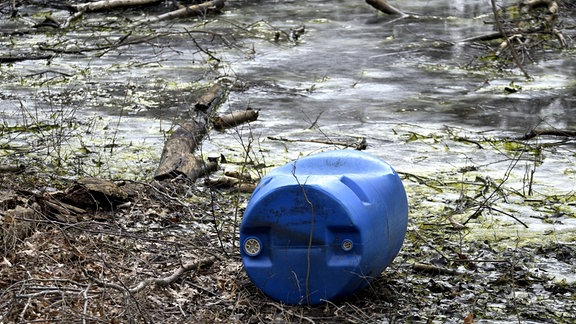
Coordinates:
323 226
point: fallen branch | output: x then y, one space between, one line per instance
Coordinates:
123 41
13 59
383 6
12 168
111 4
288 311
358 143
163 282
431 269
551 132
222 182
226 182
178 153
234 119
482 207
207 99
158 282
483 37
194 10
62 210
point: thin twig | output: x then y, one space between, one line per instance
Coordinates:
429 244
512 49
214 221
550 132
158 282
311 236
284 310
85 307
385 7
162 282
509 215
485 203
432 269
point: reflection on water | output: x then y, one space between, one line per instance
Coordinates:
365 66
353 64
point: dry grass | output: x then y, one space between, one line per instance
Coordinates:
173 260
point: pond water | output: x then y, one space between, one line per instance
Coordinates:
367 68
357 73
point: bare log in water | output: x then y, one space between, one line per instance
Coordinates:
234 119
178 155
383 6
13 59
483 38
206 101
12 168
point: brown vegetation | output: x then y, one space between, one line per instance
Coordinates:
166 251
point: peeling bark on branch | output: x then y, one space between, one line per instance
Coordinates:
207 100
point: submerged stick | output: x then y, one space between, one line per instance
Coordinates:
483 37
13 59
383 6
552 132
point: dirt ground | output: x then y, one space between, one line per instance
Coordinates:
168 254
